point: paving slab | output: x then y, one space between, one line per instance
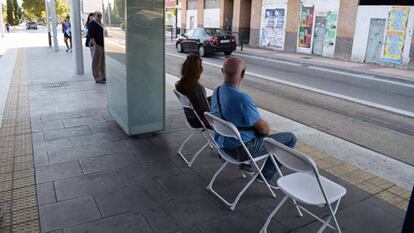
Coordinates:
58 171
133 197
86 185
67 213
46 193
109 162
74 153
126 223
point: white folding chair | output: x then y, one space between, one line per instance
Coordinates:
227 129
305 185
186 104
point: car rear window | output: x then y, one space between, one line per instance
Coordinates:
215 32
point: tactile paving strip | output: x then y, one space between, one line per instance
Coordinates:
376 186
17 177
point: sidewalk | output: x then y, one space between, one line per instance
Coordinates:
330 63
89 176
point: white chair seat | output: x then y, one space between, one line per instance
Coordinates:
305 188
230 159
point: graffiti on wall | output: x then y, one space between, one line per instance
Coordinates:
305 29
396 33
273 33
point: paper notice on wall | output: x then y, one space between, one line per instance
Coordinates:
330 30
212 18
306 25
273 32
396 33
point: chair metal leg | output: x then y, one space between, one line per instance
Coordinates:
232 205
263 178
334 216
266 225
197 154
280 174
180 149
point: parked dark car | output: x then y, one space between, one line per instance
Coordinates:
205 41
31 25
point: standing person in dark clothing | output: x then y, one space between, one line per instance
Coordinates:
66 29
96 37
189 85
85 29
7 27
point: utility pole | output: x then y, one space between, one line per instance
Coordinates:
1 20
176 19
77 36
49 36
109 15
54 25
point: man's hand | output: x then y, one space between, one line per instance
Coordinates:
93 42
262 127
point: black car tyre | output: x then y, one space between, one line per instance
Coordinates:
202 51
228 53
179 48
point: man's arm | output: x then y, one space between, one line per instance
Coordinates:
91 34
262 127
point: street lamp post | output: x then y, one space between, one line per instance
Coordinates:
49 36
109 15
54 25
77 36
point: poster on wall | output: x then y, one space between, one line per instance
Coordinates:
330 30
305 29
273 33
396 32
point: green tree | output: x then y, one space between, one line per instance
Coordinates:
16 12
10 19
35 9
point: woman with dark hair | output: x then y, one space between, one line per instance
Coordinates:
189 85
85 29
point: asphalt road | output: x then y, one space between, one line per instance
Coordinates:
304 94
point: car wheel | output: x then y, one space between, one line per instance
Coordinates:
227 53
201 51
179 48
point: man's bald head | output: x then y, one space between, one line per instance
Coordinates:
233 69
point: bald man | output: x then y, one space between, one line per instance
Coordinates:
231 104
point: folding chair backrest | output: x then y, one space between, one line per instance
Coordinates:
222 127
186 104
290 158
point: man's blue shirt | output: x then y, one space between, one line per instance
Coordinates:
238 108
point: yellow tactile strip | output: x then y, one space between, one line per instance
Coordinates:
384 190
17 177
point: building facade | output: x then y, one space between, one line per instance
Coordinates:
329 28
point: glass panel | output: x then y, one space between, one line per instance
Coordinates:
145 65
115 51
135 64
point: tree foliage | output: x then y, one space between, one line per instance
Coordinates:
10 19
35 9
